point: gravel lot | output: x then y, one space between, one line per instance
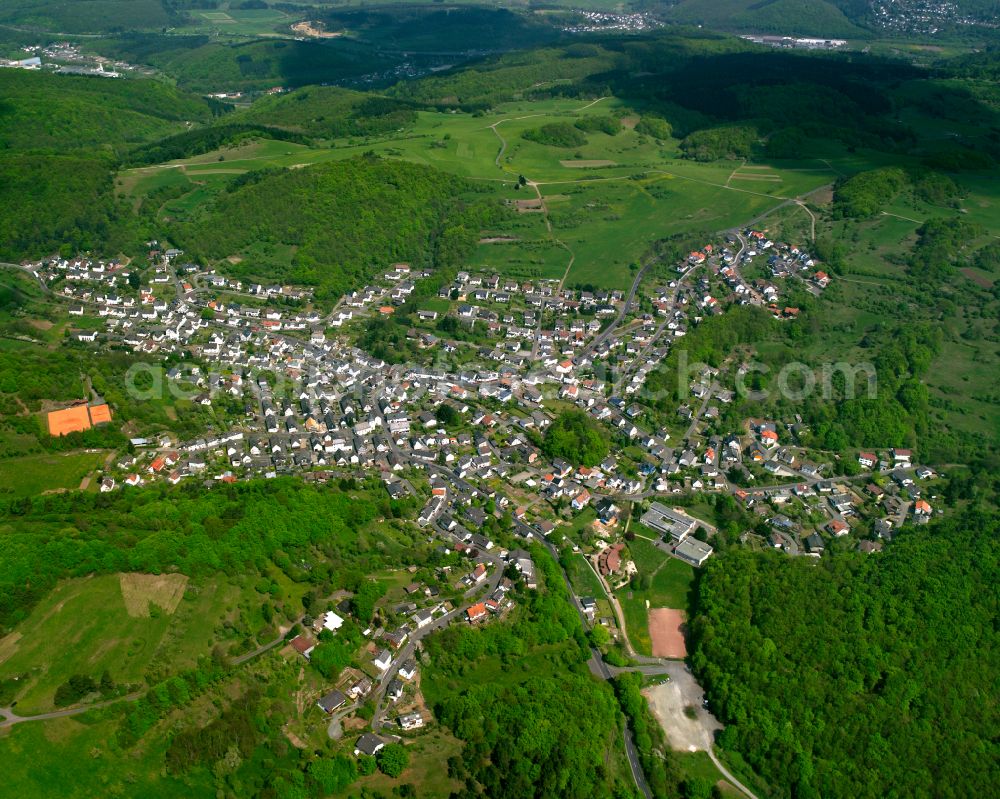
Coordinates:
668 701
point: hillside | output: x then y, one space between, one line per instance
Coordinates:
334 225
835 678
829 18
204 65
84 16
55 202
328 111
45 111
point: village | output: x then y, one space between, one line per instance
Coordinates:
282 388
286 391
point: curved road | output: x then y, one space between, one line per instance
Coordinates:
11 718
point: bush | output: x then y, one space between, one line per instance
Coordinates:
333 775
609 124
393 760
556 134
74 689
656 127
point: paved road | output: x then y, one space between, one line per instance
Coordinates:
407 651
600 669
600 338
11 718
729 775
260 650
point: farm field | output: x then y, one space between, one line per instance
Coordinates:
86 626
37 474
595 197
244 22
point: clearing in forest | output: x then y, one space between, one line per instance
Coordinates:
142 590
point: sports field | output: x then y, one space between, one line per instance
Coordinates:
666 633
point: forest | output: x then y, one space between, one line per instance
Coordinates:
345 220
527 749
576 438
859 676
330 112
40 111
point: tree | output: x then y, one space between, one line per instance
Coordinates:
74 689
366 765
576 438
333 774
446 414
393 760
599 636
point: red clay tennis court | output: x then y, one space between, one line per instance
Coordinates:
665 632
77 419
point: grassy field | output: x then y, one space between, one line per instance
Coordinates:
242 22
84 627
629 191
426 773
670 584
585 582
35 474
72 758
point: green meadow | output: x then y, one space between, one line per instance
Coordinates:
84 627
37 474
604 202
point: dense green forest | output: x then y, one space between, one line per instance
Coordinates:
576 438
419 27
804 17
55 203
40 111
859 676
345 220
527 749
202 64
85 16
330 112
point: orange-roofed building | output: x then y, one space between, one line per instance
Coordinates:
476 612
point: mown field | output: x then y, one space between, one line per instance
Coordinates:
669 582
37 474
